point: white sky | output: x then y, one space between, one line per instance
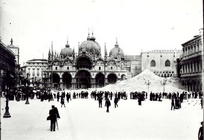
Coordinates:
138 24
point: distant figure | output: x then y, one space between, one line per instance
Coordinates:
62 101
58 96
172 103
107 104
116 102
100 99
68 97
53 115
200 132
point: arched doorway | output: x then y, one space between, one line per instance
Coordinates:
83 79
67 80
83 62
55 79
112 78
100 80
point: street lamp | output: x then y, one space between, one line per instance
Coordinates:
7 114
26 90
148 84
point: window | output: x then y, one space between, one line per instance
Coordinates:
38 71
153 63
111 68
67 68
99 68
167 63
55 68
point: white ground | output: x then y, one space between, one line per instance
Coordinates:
83 120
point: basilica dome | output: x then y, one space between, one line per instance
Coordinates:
67 51
116 52
90 46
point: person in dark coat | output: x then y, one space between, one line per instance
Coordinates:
200 132
172 103
107 104
58 96
116 99
62 101
53 115
100 100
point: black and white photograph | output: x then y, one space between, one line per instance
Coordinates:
101 69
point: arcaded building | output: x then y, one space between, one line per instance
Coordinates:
161 62
85 68
191 64
7 67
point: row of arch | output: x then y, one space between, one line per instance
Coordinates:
167 63
192 85
83 79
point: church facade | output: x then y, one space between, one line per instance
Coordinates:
86 68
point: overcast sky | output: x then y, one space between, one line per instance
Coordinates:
139 25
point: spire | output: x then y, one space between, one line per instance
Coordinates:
67 45
92 37
88 37
49 55
105 51
11 41
116 44
73 53
52 50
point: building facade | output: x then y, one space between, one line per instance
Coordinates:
191 64
161 62
133 64
7 68
86 68
33 70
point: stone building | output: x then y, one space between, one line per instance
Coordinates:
33 70
133 63
86 68
191 64
161 62
7 67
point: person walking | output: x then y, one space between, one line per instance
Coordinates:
200 132
107 104
53 115
116 99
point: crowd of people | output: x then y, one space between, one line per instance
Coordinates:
100 96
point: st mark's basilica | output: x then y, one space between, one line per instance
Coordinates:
87 68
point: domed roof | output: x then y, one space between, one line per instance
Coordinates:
116 52
90 46
67 51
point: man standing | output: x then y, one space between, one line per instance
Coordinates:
116 101
200 132
107 104
53 114
100 99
